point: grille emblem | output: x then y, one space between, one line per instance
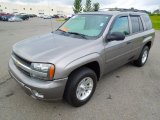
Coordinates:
21 65
17 62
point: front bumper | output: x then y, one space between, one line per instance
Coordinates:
39 89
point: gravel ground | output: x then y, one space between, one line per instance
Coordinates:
129 93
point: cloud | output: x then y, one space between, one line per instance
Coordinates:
139 4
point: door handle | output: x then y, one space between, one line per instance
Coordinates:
129 42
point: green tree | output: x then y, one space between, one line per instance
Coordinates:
88 6
96 6
77 6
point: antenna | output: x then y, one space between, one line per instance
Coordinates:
51 18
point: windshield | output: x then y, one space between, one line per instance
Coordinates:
90 26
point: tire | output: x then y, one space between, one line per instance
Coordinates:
141 60
75 86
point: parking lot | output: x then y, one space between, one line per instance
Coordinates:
129 93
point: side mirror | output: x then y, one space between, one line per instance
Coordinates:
117 36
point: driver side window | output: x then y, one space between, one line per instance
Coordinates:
121 25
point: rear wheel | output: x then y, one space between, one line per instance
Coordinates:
80 87
143 57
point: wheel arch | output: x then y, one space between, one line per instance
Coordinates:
92 61
94 65
149 44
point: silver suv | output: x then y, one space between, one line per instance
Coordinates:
68 62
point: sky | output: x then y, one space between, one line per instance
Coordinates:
149 5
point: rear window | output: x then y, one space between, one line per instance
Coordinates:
147 21
137 25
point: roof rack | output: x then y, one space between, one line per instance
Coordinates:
124 10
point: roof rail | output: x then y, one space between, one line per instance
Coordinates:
124 10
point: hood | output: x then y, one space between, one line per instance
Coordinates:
49 47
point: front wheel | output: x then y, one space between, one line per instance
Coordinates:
143 57
80 87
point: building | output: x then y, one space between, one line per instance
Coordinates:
37 9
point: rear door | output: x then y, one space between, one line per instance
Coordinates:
137 29
140 28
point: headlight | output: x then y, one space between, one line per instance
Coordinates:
42 71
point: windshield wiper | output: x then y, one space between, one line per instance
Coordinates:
61 30
75 33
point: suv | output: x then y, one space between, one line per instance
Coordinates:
68 62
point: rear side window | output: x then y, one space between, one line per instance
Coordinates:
140 24
147 21
137 25
121 25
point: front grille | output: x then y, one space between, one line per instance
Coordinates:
26 62
22 64
23 71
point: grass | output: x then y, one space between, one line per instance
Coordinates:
156 21
60 20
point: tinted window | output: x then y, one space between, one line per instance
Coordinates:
121 25
141 24
147 21
137 25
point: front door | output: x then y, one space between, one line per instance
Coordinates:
118 53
